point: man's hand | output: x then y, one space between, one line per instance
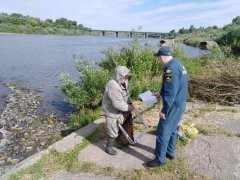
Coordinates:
162 115
120 119
156 94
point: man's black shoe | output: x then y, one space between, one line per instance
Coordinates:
169 157
154 163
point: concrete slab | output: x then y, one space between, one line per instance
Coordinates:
214 156
227 120
232 125
68 142
132 157
82 176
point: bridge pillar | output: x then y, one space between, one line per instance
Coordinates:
116 34
130 34
145 35
103 33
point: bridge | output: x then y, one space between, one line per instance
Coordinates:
138 33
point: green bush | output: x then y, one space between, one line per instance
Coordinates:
194 66
231 41
193 41
86 93
82 118
142 63
17 23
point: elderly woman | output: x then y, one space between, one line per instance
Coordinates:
116 104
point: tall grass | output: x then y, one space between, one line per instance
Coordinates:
194 66
83 117
142 63
87 92
230 41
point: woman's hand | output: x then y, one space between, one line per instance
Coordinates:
120 119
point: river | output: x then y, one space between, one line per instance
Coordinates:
36 61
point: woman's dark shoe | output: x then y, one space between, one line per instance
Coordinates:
120 144
110 151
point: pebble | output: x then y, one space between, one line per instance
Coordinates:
29 148
3 158
40 133
26 135
2 162
42 143
14 161
3 143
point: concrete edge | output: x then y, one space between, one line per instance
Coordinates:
63 145
68 142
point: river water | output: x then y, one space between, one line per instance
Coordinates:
36 61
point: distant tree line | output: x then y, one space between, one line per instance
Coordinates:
18 23
227 37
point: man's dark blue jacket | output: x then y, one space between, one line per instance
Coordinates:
175 86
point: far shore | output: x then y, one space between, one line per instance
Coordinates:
7 33
4 33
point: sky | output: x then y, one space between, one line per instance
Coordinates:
139 15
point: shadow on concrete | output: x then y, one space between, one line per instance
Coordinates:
131 157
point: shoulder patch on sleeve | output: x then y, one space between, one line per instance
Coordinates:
168 71
168 76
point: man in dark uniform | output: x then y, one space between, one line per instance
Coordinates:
174 94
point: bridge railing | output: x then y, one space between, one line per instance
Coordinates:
130 34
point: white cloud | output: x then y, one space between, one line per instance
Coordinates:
209 13
117 14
